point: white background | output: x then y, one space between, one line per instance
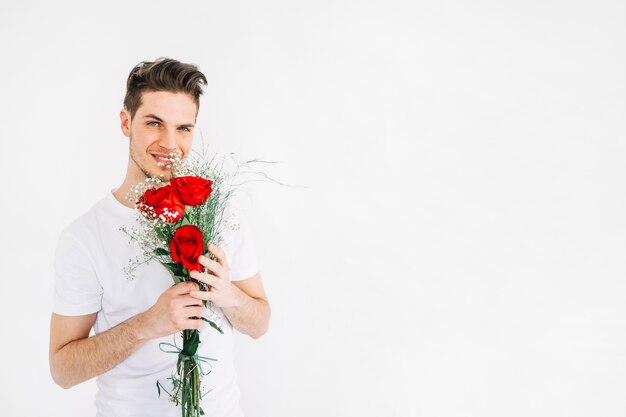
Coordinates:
455 245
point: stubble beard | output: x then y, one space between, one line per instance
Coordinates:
137 160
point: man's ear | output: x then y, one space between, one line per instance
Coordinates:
125 122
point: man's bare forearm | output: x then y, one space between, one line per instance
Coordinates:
250 316
83 359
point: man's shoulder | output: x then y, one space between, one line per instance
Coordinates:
86 223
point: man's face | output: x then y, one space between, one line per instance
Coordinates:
162 124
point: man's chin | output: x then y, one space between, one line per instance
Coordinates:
164 174
158 172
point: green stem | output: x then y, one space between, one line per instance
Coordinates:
190 378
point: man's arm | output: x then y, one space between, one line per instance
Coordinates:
251 312
75 357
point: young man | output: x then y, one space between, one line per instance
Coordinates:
131 316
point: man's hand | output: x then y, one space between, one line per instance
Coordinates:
221 292
172 312
244 302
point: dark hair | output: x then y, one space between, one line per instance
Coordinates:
164 74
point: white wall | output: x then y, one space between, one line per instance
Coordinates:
456 247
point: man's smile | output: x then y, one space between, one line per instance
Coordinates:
162 160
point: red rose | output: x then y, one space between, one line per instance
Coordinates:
162 202
186 246
192 190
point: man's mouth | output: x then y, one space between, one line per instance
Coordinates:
162 160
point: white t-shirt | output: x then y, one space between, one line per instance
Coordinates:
89 277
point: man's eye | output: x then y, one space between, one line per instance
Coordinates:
153 123
185 129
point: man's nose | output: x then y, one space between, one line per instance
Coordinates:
168 139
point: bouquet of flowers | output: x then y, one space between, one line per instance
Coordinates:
177 219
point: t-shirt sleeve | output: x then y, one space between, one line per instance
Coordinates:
240 249
77 290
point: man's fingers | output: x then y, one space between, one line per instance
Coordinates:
193 324
189 300
211 265
184 287
192 311
203 295
206 278
181 302
219 254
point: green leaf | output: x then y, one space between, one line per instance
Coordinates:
184 221
174 267
161 252
190 346
161 234
215 326
176 271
